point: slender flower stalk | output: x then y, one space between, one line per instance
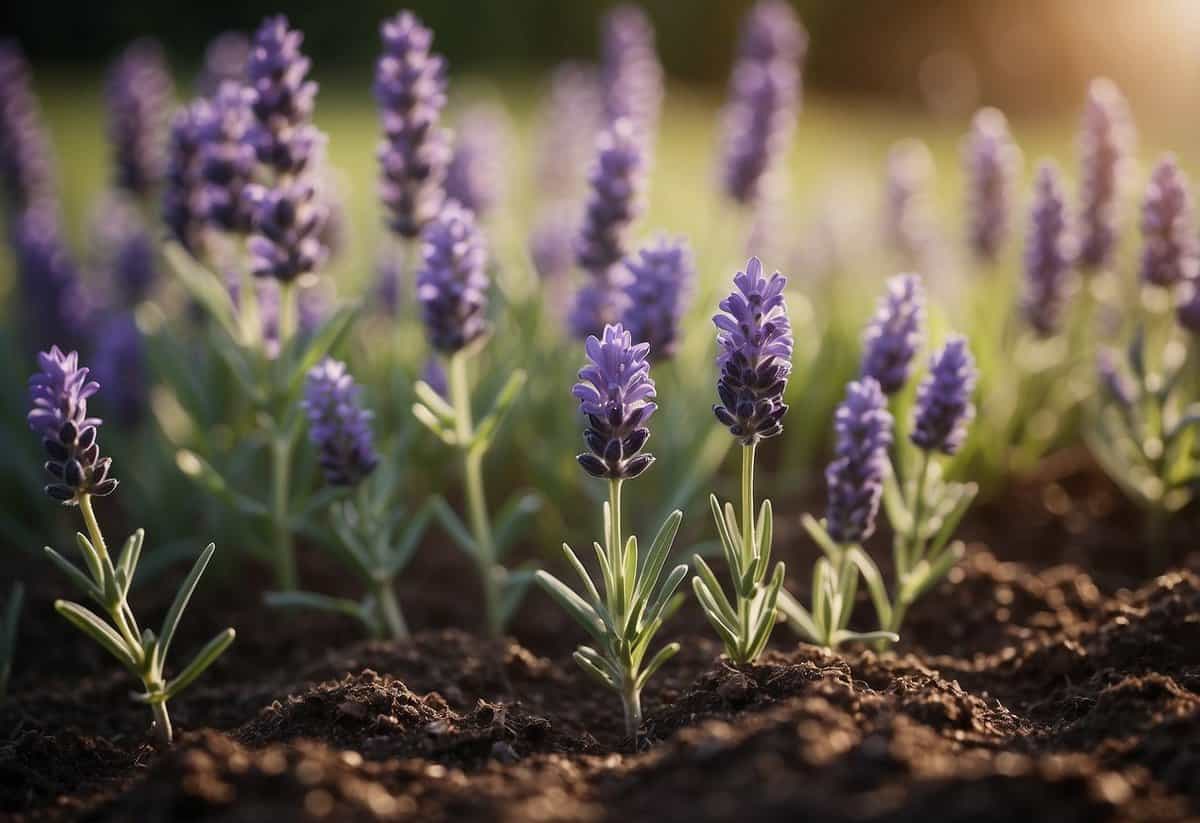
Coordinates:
1169 246
755 338
59 395
993 162
617 398
893 336
659 290
1107 139
1050 254
138 93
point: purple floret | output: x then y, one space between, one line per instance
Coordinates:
659 288
452 284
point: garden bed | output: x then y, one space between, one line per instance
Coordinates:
1023 689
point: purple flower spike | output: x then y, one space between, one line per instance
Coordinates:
863 428
907 223
226 158
1107 140
772 31
124 249
139 93
1116 384
480 165
55 304
226 59
283 98
120 363
755 337
992 164
287 223
570 118
1050 252
616 394
894 334
452 285
410 89
631 75
944 405
26 168
658 292
183 208
58 395
339 426
1169 250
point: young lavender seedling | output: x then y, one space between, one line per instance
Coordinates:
59 395
452 287
616 395
8 633
365 520
755 337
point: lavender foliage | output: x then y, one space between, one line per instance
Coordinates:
480 163
631 75
992 164
1050 253
25 156
410 89
1169 246
893 335
854 478
138 93
659 288
755 338
616 395
1107 140
944 407
338 425
58 395
452 285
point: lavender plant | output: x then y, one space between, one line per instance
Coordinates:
8 633
1169 248
630 74
617 397
659 290
452 288
370 529
893 336
1107 138
138 92
479 166
992 163
755 338
59 395
1050 254
26 164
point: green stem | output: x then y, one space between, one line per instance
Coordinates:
481 530
918 514
389 610
162 721
631 702
616 553
284 554
120 612
287 312
744 603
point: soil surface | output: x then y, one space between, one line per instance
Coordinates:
1024 689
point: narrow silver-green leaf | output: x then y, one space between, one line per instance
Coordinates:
798 616
572 604
821 537
171 621
662 656
92 558
127 562
453 526
587 664
656 559
90 624
875 585
724 607
319 602
203 659
77 577
583 575
434 402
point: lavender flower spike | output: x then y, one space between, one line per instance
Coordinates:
907 224
477 171
226 157
58 395
139 92
863 427
452 285
26 168
658 293
992 163
1106 148
1050 252
755 337
410 89
339 426
287 240
894 333
1169 251
944 406
283 99
568 123
183 209
631 75
616 394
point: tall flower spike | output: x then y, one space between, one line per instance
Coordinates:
226 59
452 285
616 394
1050 253
139 92
55 305
659 289
287 223
477 172
854 478
283 98
894 334
906 218
120 363
338 425
992 164
226 157
1107 140
410 90
569 120
26 168
183 209
944 407
755 338
1169 249
630 72
772 31
58 396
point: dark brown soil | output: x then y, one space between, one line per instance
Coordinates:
1023 690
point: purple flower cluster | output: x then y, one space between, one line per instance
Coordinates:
755 338
287 231
226 157
225 61
661 283
906 219
763 96
183 209
854 478
119 362
452 285
339 426
138 94
480 164
1050 253
1106 149
992 164
124 249
410 89
944 407
55 304
570 119
283 98
631 76
58 395
894 334
616 394
25 157
1169 247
